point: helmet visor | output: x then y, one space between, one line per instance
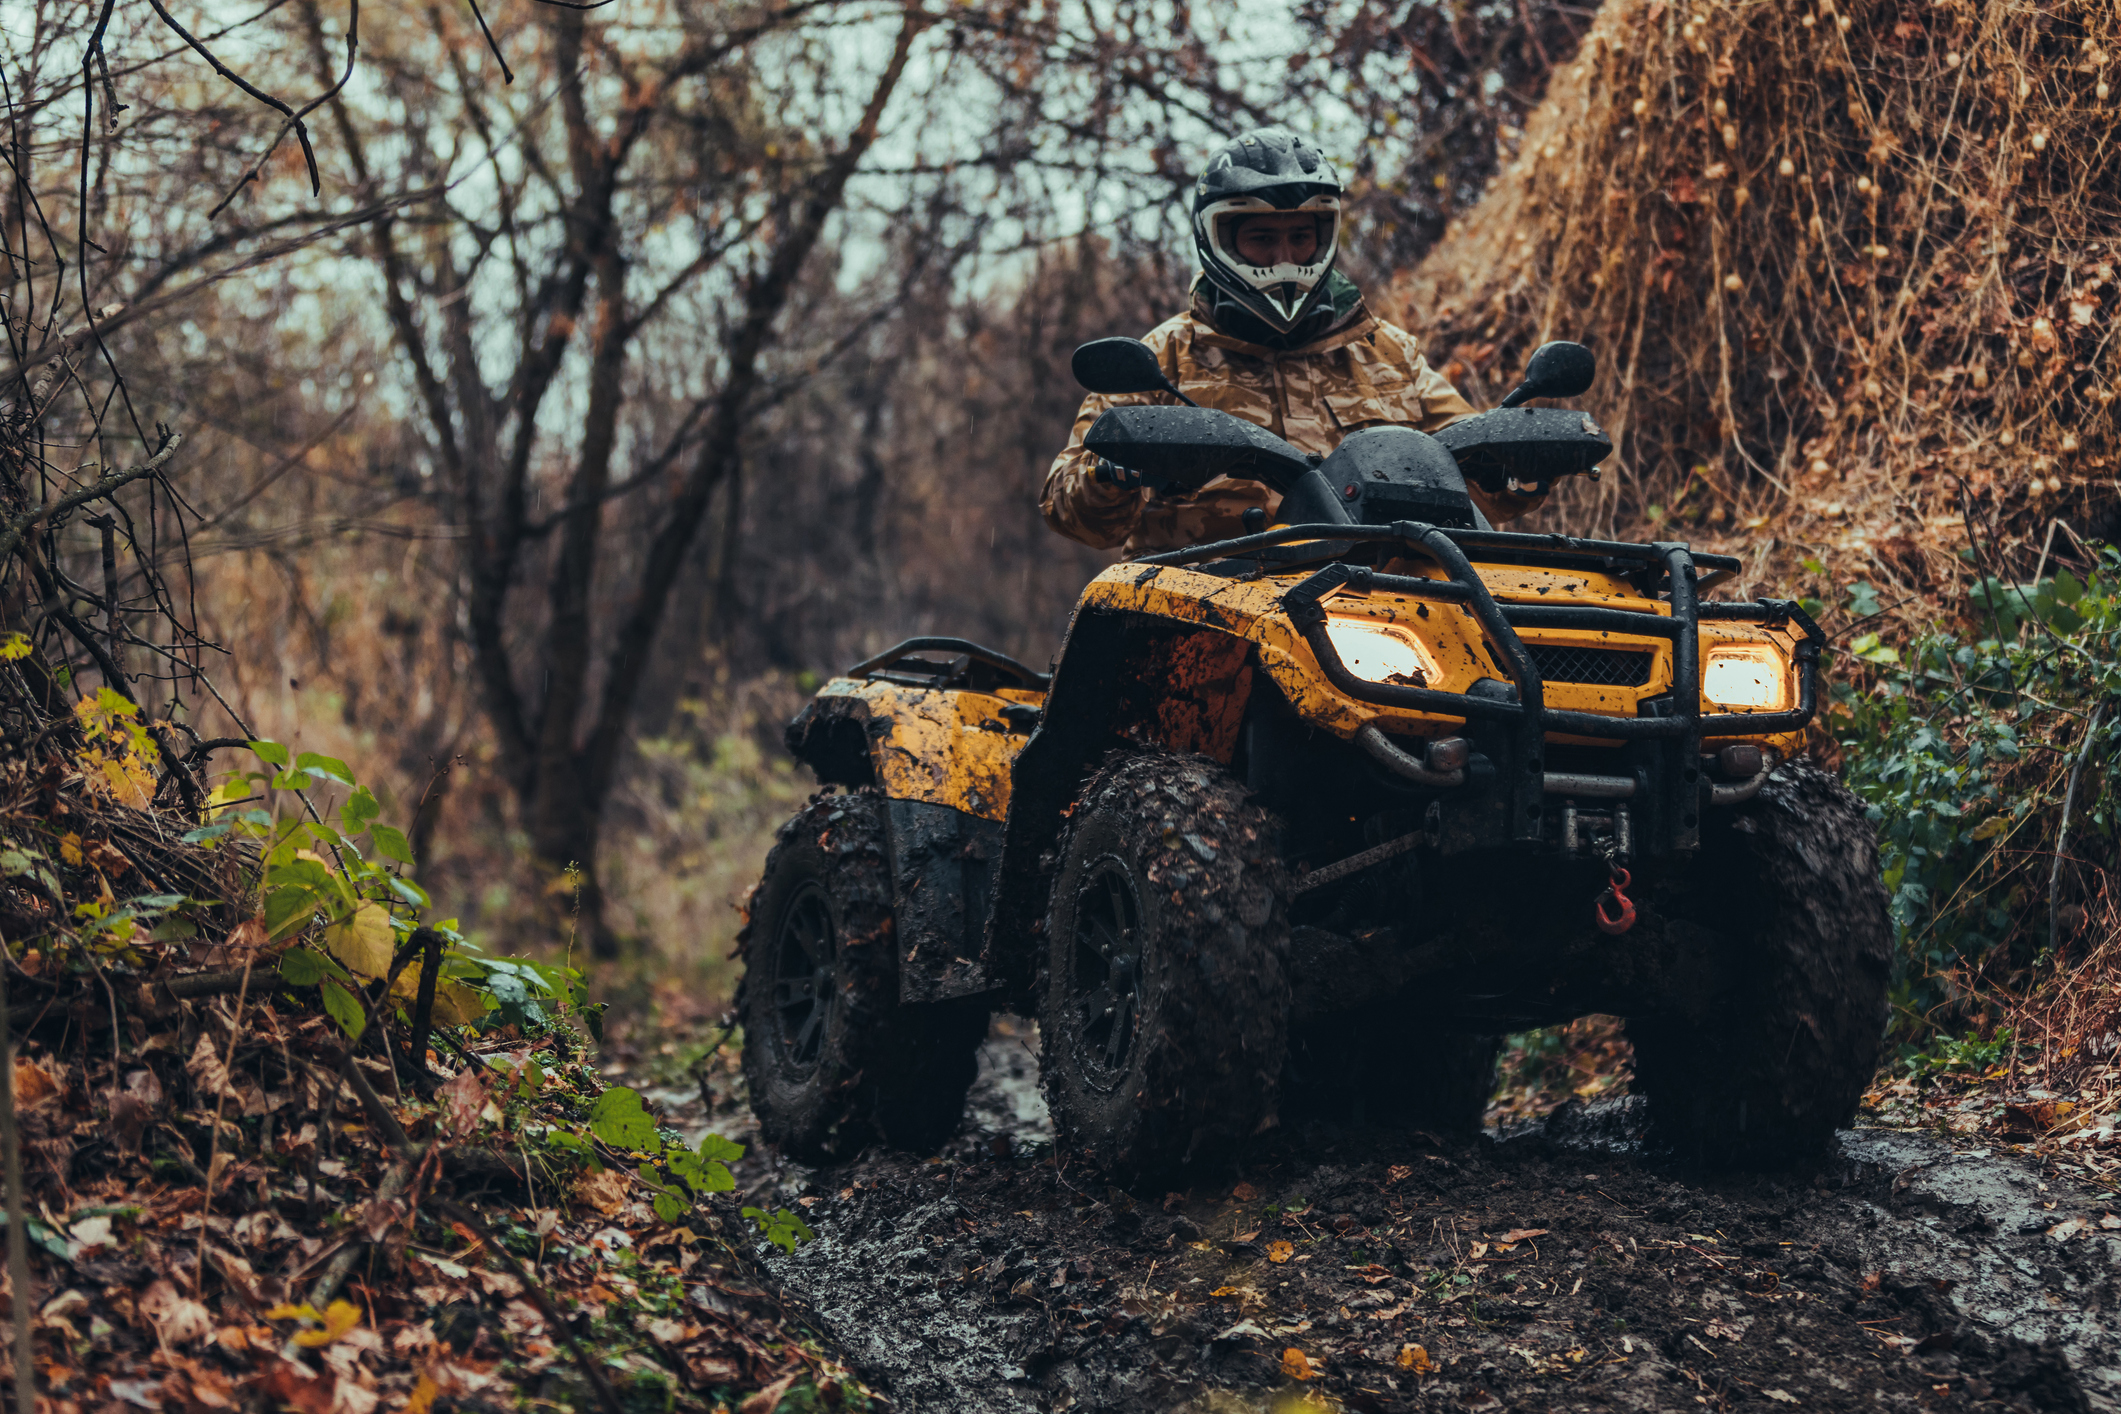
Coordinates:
1256 243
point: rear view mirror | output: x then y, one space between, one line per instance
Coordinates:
1557 370
1122 366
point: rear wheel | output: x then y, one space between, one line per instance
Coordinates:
1787 893
1166 1003
833 1061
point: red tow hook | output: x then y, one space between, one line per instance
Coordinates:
1623 917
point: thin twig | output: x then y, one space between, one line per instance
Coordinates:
213 1146
17 1211
2069 802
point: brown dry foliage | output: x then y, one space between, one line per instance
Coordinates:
1835 261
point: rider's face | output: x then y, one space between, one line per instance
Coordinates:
1282 238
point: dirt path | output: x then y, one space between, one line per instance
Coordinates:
1555 1269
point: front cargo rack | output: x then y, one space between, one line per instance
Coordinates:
1668 566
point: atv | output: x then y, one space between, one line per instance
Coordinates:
1301 822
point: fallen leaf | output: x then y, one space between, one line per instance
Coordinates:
1717 1330
1872 1282
769 1399
1245 1193
291 1386
339 1318
462 1101
2063 1231
1416 1358
603 1190
33 1085
1781 1396
175 1319
1478 1249
1246 1236
1280 1251
208 1075
1398 1173
1523 1234
1295 1366
423 1395
87 1235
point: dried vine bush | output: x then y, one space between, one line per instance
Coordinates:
1849 269
1834 260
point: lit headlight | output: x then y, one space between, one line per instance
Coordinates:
1752 676
1378 652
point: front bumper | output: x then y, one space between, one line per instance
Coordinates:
1666 749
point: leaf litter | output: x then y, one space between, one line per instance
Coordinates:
245 1190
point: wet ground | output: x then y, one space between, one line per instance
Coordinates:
1555 1267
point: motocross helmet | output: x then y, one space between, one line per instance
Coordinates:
1262 171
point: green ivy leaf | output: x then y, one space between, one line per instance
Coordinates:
345 1009
714 1146
270 751
331 768
619 1120
390 842
671 1208
287 910
782 1228
301 967
360 808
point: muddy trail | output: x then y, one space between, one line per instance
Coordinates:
1554 1267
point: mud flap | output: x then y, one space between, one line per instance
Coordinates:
942 872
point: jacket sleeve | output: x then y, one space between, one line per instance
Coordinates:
1441 403
1075 502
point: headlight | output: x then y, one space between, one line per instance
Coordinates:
1752 676
1378 652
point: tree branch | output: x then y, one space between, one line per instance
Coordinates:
628 660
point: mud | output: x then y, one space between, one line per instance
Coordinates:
1553 1267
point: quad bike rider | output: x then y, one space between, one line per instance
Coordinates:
1306 814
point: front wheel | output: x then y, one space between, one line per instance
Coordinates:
832 1059
1166 1002
1788 893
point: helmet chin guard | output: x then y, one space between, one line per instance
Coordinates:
1265 172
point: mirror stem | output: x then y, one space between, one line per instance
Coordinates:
1172 389
1522 393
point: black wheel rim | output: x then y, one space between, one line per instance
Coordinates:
1105 975
804 973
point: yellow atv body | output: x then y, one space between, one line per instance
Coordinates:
1303 820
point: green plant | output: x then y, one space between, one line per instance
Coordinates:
780 1227
620 1120
1966 751
1969 1055
353 913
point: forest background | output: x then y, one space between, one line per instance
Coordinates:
564 401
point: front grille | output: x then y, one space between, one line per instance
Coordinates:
1603 667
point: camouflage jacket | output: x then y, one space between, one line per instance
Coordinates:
1361 373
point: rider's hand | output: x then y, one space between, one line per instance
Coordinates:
1106 473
